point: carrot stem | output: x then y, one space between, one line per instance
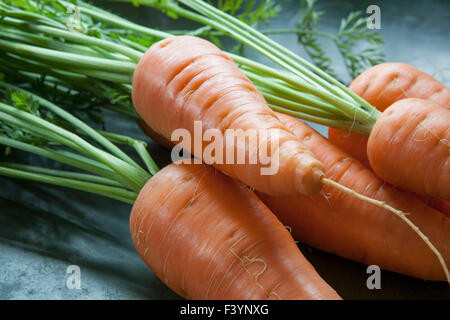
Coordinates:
62 174
139 146
135 177
339 124
78 124
112 63
107 191
68 59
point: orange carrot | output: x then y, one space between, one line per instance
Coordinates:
334 222
183 79
417 134
387 83
353 143
438 204
381 86
207 236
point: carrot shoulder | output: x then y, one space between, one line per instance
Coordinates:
346 226
207 236
185 79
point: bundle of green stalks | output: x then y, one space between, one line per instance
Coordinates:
98 52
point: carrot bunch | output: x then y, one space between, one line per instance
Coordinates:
185 79
398 138
301 89
228 239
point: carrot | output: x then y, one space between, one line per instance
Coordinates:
383 85
207 236
348 227
438 204
417 134
183 79
353 143
386 83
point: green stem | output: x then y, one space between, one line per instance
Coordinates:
136 177
68 59
366 114
297 96
338 124
32 127
276 100
65 157
62 174
295 81
114 20
139 146
6 10
86 40
107 191
77 123
31 38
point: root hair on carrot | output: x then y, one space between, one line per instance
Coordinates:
398 213
246 261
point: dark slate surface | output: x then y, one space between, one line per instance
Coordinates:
44 229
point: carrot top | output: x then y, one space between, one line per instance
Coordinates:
36 38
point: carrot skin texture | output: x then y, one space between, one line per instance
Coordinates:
183 79
350 228
409 146
207 236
